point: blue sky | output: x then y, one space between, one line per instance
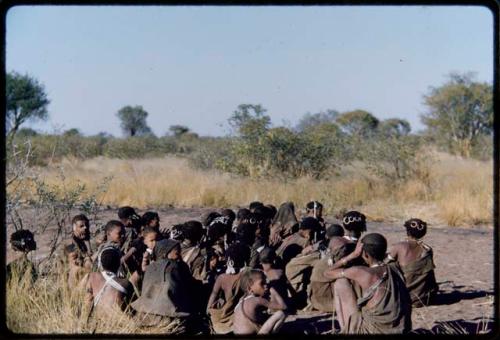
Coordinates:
194 65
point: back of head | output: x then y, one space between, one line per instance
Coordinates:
207 218
193 231
354 221
375 245
126 212
309 223
23 240
416 228
163 247
109 259
272 210
229 214
112 225
243 214
314 205
334 230
267 256
286 213
148 217
254 205
238 253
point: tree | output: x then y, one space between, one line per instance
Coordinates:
72 132
133 121
310 120
459 112
358 123
394 127
178 130
26 100
250 121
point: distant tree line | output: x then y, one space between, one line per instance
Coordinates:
459 120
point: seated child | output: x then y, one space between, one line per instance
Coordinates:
104 288
250 315
115 237
415 259
276 277
22 242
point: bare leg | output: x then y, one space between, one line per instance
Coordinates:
273 324
345 301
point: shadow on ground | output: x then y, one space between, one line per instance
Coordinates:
459 327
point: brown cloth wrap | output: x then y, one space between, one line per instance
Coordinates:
420 278
391 315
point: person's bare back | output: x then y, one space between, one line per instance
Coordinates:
406 252
106 294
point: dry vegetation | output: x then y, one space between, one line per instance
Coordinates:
448 191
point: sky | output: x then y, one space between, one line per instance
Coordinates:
193 65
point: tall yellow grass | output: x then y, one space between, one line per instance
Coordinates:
455 192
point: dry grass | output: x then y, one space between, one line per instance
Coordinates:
456 192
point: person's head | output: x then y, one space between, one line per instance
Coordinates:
167 249
81 227
70 251
109 259
100 235
308 226
374 247
355 222
272 210
151 218
254 205
176 232
334 230
416 228
207 218
129 217
193 231
245 233
314 209
264 214
23 240
267 256
216 231
254 282
150 236
115 232
229 214
237 255
243 215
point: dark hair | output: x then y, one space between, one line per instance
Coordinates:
164 247
375 245
249 277
354 221
229 213
416 228
264 212
126 212
239 253
23 240
245 232
267 255
149 216
272 210
311 205
111 225
80 217
254 205
334 230
309 223
243 214
110 259
149 229
216 231
208 218
193 231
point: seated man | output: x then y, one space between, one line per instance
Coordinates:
415 259
221 310
166 298
78 250
22 242
384 306
295 243
250 315
104 288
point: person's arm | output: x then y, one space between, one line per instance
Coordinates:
129 253
276 301
392 253
346 259
349 273
215 292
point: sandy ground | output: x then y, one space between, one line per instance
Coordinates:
464 259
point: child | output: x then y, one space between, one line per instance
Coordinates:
250 316
276 277
152 219
417 264
115 237
104 288
22 242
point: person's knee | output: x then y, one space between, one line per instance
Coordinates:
341 285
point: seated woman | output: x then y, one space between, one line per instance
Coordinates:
415 259
384 306
221 310
250 315
284 224
22 242
104 289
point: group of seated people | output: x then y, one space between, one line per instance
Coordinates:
246 271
